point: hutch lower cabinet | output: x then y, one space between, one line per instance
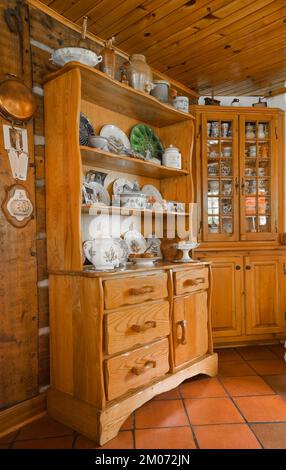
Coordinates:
119 339
248 300
240 193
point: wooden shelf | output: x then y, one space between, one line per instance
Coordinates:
99 88
94 209
112 161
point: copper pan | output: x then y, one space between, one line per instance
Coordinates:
17 102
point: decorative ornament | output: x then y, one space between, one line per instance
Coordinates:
16 144
17 205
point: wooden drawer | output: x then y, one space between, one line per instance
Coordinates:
191 280
134 290
136 368
133 326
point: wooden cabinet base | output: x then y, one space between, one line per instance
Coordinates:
103 425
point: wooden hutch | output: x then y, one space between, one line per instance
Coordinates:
240 190
118 338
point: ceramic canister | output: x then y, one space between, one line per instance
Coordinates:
172 157
181 103
161 90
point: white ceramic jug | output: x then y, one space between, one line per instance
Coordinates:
102 252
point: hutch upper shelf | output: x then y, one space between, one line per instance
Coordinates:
97 87
112 161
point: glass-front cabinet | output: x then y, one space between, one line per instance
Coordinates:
257 165
238 177
220 177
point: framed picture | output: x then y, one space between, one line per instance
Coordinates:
95 176
15 138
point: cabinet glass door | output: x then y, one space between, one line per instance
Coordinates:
256 178
220 177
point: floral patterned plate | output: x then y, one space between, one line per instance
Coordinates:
85 130
144 141
135 241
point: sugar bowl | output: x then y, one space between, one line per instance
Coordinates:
172 157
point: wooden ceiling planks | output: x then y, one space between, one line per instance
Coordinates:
213 46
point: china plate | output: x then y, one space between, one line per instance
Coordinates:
135 241
95 193
144 261
117 135
92 176
152 193
85 130
122 185
123 250
154 246
143 139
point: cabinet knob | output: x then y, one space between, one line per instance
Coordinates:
237 267
194 282
183 325
146 326
248 267
140 370
142 290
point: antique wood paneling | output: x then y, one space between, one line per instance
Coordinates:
18 267
196 41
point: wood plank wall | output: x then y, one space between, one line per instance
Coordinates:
18 263
24 304
24 308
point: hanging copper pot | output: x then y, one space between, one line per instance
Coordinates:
17 102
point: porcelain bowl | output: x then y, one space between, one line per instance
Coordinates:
133 200
75 54
98 142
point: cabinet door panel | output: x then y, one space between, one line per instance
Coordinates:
190 327
227 291
265 294
258 177
220 177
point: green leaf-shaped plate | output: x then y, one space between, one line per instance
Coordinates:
142 138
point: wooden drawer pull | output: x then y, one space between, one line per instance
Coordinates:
147 325
142 290
140 370
194 282
183 325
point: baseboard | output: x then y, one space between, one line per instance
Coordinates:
23 413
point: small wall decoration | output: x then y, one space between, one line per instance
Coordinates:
16 144
17 205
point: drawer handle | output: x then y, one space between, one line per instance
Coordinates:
142 290
183 325
194 282
140 370
147 325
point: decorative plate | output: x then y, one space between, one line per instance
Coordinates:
152 193
153 246
95 176
122 185
144 141
123 250
95 193
85 130
117 135
135 241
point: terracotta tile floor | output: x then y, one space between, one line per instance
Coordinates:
243 408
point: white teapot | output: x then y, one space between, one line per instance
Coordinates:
172 157
102 252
